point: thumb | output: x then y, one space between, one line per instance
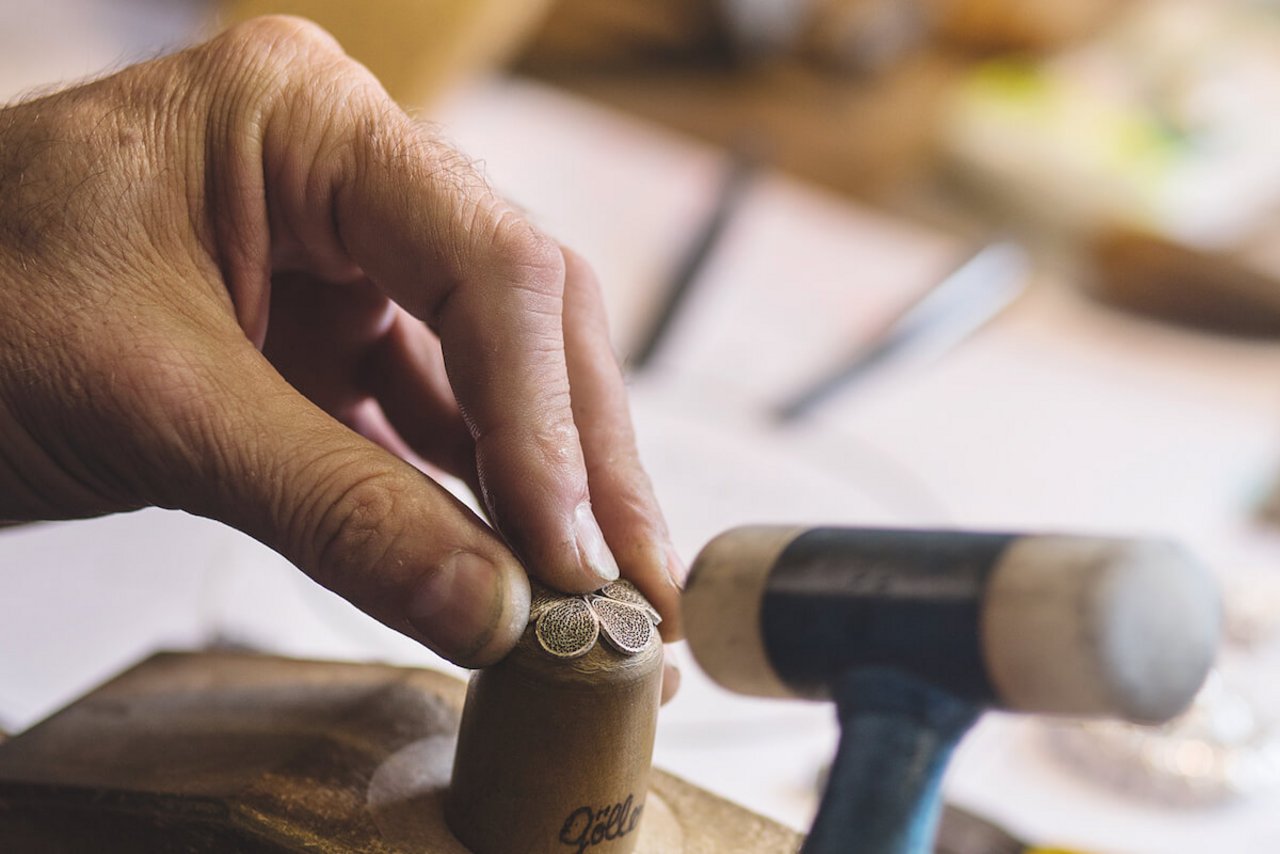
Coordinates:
354 517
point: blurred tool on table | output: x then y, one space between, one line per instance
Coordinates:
966 298
1114 124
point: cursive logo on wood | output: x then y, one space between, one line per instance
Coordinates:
586 827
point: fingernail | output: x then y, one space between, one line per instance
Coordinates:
592 549
457 607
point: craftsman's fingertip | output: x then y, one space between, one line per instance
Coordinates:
593 552
672 626
470 610
670 680
650 570
677 569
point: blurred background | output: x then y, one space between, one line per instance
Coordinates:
1008 264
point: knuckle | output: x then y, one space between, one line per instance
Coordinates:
391 147
282 36
550 446
275 50
559 446
526 257
356 525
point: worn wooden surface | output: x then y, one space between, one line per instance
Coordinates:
224 752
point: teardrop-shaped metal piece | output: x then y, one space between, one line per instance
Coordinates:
625 591
568 628
627 628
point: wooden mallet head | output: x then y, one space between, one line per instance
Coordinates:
1063 625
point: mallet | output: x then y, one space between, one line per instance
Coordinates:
914 633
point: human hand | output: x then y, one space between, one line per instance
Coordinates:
241 282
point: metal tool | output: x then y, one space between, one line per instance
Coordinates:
914 634
972 294
740 173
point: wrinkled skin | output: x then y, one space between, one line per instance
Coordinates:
241 282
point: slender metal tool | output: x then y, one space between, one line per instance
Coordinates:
741 170
973 293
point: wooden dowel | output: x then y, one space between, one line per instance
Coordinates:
554 750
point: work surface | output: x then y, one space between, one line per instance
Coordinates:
220 752
1058 416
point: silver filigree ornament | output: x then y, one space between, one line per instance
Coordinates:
568 626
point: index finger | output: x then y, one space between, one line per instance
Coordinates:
419 220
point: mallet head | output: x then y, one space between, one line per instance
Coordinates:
1065 625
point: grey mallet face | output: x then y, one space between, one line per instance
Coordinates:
1061 625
